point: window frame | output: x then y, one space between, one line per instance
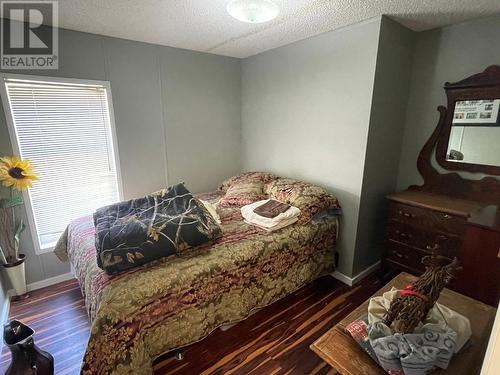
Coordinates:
16 149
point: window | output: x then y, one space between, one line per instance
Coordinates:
65 128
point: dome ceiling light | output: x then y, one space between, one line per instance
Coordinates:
253 11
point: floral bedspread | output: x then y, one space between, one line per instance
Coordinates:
145 312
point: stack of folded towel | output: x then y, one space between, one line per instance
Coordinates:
270 214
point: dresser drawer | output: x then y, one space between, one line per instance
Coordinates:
426 218
404 255
428 241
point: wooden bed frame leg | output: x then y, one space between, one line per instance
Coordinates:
179 355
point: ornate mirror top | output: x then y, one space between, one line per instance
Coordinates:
467 138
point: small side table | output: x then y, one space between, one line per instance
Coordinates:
339 350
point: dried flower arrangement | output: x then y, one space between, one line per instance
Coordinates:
414 302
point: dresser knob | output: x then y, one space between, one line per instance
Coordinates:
432 248
399 255
446 216
405 214
403 234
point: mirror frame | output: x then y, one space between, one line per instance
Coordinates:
485 85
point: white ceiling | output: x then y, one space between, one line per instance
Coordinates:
204 25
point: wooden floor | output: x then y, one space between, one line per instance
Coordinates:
273 341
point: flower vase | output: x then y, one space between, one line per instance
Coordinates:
17 275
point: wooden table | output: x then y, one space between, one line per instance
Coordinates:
340 351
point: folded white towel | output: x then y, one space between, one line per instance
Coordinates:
283 224
251 217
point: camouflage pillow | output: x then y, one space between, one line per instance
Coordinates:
135 232
245 188
310 199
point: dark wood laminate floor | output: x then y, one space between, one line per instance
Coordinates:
273 341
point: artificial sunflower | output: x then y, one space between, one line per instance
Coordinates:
16 173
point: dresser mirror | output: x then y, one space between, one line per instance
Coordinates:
475 132
470 138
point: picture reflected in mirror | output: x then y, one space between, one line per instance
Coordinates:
475 132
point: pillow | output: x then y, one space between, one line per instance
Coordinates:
310 199
135 232
241 194
247 177
244 189
212 210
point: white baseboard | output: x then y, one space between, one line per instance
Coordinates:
354 280
342 277
47 282
50 281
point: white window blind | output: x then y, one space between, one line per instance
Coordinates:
65 130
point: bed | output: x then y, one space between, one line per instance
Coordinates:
145 312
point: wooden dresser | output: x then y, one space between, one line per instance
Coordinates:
420 223
454 214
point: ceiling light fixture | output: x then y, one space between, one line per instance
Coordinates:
253 11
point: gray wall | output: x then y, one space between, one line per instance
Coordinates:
305 114
448 54
390 96
177 117
202 106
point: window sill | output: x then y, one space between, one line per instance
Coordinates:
46 249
